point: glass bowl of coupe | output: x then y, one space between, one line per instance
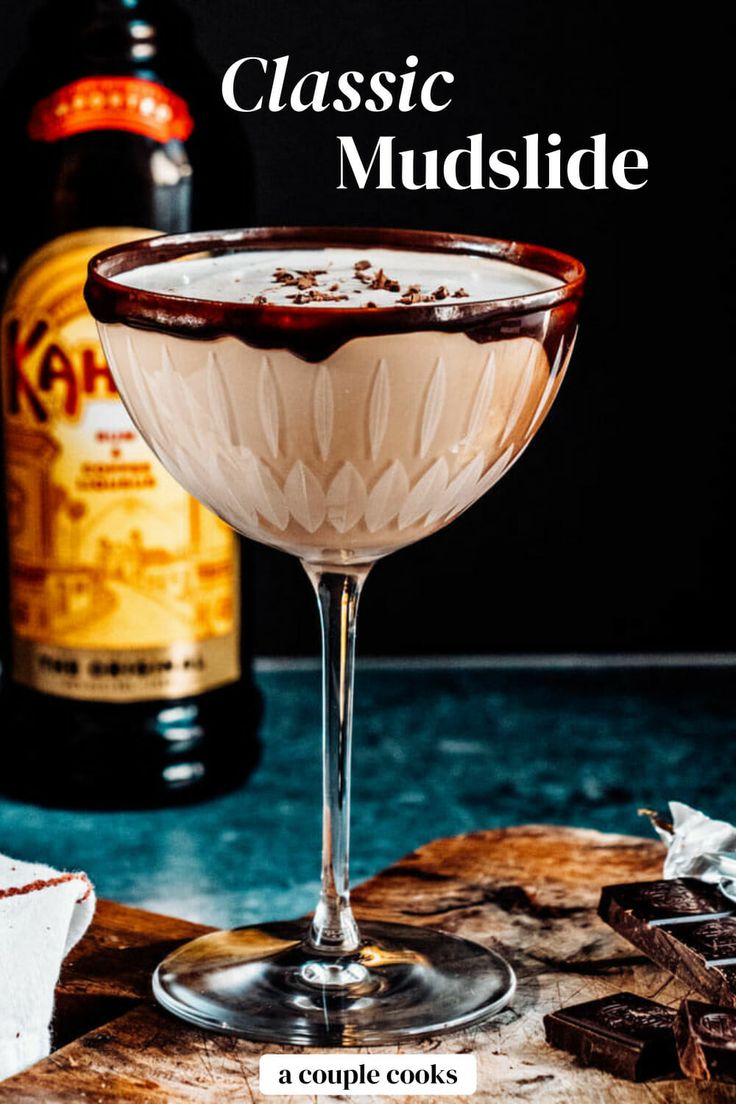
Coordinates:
337 394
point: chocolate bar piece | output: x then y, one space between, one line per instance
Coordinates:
623 1034
706 1041
672 901
713 940
683 925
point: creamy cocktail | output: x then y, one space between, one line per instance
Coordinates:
338 394
372 447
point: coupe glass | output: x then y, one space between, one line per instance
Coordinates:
339 435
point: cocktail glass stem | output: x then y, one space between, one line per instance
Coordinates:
334 932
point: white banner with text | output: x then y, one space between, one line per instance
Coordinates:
368 1074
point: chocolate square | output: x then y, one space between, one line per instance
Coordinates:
705 1035
672 899
713 940
624 1034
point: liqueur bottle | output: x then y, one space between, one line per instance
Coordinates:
125 668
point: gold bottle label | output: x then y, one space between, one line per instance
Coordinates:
123 588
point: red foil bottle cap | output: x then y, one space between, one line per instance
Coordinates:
111 103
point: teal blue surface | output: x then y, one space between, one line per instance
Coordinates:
438 750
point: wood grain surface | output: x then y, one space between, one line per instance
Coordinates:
528 892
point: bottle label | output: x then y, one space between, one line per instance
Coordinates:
111 103
123 588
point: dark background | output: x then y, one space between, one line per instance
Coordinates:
613 532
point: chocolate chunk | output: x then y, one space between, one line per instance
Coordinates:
283 276
260 299
624 1034
461 293
360 266
668 901
382 282
410 297
441 292
314 295
706 1041
713 940
684 926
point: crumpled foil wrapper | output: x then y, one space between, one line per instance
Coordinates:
698 847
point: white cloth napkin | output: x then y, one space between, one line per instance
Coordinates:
43 913
698 847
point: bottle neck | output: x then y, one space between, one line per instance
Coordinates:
107 34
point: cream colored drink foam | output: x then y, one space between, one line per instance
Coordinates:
245 275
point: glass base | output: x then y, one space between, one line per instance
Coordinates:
266 983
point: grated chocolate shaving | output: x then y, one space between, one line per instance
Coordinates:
313 295
382 282
413 294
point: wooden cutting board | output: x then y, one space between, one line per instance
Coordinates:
530 892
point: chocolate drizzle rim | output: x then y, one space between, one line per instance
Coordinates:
314 332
